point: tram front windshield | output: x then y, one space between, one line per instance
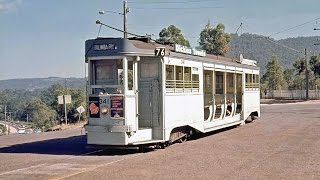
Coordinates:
107 75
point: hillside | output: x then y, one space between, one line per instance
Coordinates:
40 83
260 49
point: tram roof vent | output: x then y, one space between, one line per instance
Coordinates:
145 39
247 61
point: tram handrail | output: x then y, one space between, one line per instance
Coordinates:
185 86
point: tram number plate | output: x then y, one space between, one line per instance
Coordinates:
160 51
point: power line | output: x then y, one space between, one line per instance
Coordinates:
98 22
180 8
279 44
170 2
294 27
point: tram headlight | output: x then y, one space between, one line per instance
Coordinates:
104 110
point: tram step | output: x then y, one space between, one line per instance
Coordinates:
141 135
152 141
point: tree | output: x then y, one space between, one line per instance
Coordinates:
78 99
274 75
172 34
299 66
40 114
315 65
3 129
214 40
288 75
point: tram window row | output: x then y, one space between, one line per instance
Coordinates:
182 79
252 82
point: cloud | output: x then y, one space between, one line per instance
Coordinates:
9 5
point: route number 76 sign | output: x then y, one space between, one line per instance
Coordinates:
160 51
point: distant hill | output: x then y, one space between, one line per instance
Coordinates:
41 83
258 48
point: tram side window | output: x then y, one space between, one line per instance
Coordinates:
149 70
181 79
230 83
169 72
179 76
252 82
170 76
249 81
219 83
187 77
256 81
130 75
239 83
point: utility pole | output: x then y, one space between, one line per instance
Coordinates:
65 109
5 118
307 74
125 24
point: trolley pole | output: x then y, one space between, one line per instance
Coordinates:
307 74
125 24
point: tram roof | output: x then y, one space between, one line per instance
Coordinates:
143 47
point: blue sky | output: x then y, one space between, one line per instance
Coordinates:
42 38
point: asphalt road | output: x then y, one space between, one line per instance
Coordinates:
283 144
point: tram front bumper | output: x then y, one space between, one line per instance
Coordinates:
107 135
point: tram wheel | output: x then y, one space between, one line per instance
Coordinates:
250 119
183 139
142 149
162 145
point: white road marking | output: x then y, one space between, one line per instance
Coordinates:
95 167
17 170
39 165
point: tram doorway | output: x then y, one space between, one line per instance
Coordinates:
149 92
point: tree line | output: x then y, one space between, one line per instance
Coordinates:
276 78
212 39
40 107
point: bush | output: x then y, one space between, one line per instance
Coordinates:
3 129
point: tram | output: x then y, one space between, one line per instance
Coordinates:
142 93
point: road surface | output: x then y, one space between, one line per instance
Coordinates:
283 144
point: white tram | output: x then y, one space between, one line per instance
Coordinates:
140 92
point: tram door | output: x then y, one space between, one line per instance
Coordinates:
149 92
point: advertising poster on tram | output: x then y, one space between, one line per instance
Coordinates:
116 107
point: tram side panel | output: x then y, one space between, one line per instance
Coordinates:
251 95
183 103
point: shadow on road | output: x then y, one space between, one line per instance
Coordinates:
75 145
197 136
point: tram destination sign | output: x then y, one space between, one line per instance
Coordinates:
104 47
188 50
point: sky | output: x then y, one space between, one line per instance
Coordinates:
45 38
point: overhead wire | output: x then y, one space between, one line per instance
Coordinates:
176 8
268 38
299 25
170 2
